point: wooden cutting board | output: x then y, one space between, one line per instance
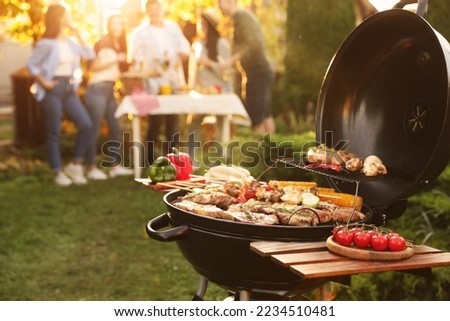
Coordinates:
368 254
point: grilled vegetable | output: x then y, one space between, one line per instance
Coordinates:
311 200
297 184
341 199
373 166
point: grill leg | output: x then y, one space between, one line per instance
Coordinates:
201 290
244 295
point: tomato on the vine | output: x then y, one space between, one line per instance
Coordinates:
355 230
372 233
397 243
379 242
392 234
344 237
337 229
362 239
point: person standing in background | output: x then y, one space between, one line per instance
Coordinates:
208 53
250 54
54 65
161 47
206 74
100 97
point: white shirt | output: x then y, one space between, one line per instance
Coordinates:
111 73
150 43
66 59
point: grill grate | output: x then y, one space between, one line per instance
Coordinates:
343 176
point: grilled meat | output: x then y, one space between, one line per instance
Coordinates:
217 198
250 217
345 214
204 210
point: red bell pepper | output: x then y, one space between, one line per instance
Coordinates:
182 162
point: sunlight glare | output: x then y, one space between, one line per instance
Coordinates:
112 3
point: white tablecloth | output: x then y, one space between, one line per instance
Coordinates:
192 103
225 105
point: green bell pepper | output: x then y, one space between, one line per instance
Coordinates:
162 170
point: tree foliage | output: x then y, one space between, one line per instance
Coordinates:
26 17
314 32
315 29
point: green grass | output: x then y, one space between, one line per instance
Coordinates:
86 243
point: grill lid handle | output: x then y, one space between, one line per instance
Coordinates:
422 6
169 235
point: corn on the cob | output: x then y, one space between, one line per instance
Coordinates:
341 199
325 190
297 184
302 185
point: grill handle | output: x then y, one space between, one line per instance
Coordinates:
422 6
168 235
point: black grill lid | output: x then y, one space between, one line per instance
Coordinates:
386 93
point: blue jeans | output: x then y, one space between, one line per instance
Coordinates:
101 103
63 99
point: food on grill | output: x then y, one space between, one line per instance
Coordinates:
300 184
252 201
329 158
204 210
341 199
311 200
292 195
373 166
354 164
343 214
325 155
217 198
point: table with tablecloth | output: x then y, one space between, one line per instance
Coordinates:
225 105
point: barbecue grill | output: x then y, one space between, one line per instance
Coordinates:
384 93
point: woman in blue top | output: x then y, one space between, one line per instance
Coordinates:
55 65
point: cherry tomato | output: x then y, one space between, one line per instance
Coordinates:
250 193
355 230
241 199
379 242
397 243
392 234
362 239
372 233
337 229
344 238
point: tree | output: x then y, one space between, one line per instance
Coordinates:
315 29
26 17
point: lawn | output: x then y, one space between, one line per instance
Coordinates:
89 242
86 243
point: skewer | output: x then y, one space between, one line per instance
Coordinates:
190 184
175 187
210 179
